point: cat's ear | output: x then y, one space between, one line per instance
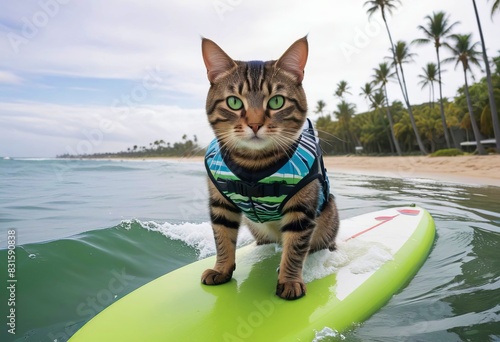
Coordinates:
216 60
294 59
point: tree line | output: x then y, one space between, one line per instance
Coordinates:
159 148
401 128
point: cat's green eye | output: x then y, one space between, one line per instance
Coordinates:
234 103
276 102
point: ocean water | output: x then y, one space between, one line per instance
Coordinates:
86 233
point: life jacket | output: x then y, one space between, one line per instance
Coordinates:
262 195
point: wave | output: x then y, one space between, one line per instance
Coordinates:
105 168
357 256
198 236
31 158
64 283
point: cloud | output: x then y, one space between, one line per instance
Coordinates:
73 61
94 129
7 77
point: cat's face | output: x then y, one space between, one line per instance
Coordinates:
255 107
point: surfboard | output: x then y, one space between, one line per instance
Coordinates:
377 254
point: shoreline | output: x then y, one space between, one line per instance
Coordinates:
471 169
479 170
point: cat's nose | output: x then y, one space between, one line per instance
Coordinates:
255 127
254 118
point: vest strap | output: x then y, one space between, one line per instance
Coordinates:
255 190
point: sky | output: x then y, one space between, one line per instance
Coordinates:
93 76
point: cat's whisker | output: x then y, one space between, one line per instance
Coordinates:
332 135
327 141
280 143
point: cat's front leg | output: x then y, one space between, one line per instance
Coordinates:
225 224
298 224
295 247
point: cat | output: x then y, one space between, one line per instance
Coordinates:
265 164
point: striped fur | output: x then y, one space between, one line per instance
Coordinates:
255 137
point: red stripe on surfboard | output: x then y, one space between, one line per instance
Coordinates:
411 212
383 219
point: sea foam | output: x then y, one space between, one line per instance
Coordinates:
326 334
357 256
196 235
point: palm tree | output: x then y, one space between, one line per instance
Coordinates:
367 92
373 129
402 55
320 106
342 88
344 113
437 29
404 131
382 6
465 52
428 77
381 77
378 102
428 121
389 6
493 106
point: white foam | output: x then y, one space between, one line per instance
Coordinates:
326 332
34 159
197 235
355 256
358 257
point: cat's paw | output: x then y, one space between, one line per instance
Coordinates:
291 290
212 277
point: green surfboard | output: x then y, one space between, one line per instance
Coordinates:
378 254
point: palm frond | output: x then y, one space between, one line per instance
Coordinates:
437 27
380 5
495 7
464 51
421 41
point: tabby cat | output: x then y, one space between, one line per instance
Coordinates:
265 164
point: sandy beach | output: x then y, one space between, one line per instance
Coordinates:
483 170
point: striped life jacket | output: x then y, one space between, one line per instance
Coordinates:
262 195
